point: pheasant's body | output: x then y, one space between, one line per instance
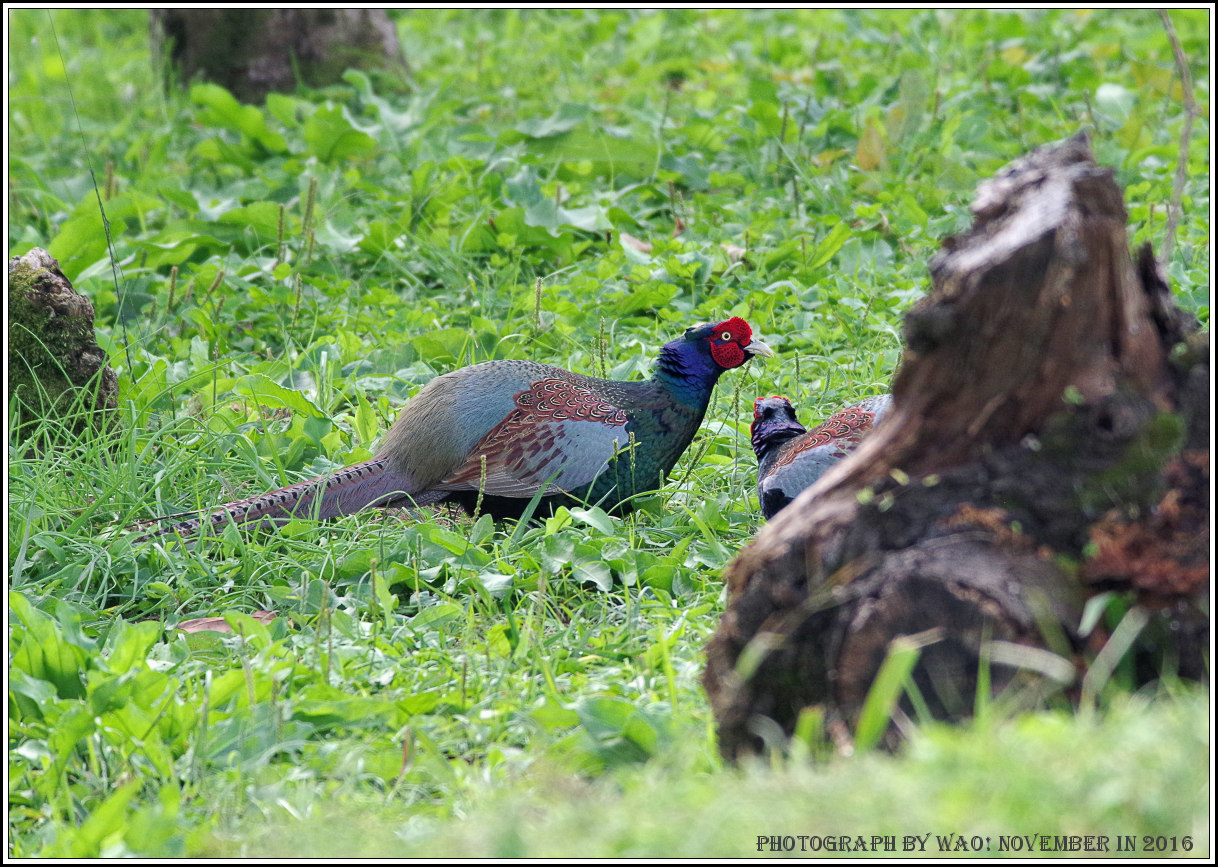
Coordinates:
791 458
501 431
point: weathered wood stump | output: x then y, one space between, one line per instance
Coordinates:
56 368
253 52
1021 470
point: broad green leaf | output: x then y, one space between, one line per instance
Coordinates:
266 391
544 212
46 651
348 713
552 716
331 137
768 116
262 217
29 695
365 420
81 242
482 530
288 110
214 150
435 615
606 154
128 644
446 539
830 244
692 169
445 345
595 571
596 518
104 825
387 602
567 117
222 109
253 630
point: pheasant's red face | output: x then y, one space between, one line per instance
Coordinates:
759 411
765 408
728 341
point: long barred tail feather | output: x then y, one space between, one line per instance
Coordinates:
344 492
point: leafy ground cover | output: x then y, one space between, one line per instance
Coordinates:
291 273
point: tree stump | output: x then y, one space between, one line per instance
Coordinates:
252 52
56 368
1032 458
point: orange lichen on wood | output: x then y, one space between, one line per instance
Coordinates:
1003 530
1164 555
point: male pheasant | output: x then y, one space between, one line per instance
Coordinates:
791 458
501 431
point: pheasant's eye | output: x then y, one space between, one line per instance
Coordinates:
727 335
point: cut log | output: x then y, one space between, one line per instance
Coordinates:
1034 403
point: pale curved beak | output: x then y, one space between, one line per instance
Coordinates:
759 348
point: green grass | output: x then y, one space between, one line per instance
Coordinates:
982 782
455 686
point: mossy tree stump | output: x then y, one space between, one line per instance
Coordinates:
252 52
1046 443
56 369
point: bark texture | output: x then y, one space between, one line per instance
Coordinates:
1033 456
252 52
56 368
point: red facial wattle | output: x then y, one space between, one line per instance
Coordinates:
759 413
727 355
728 341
